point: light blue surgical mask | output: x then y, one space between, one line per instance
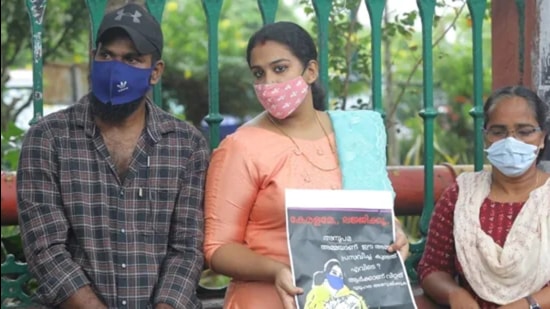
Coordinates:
512 157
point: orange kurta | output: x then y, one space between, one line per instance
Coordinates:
245 198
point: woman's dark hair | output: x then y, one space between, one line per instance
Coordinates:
540 108
300 44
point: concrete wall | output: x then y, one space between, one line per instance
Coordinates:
541 67
511 63
527 64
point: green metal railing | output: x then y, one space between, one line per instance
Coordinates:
428 113
322 11
477 12
36 11
12 283
212 10
376 11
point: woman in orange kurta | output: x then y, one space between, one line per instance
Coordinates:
290 145
245 199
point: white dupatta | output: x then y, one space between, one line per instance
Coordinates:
522 266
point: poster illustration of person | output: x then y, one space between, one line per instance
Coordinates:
337 243
330 291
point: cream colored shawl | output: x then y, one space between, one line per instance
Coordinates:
502 274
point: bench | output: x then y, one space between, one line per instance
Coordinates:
408 182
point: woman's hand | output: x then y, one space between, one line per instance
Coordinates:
401 243
461 299
285 287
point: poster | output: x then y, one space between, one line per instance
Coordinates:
337 243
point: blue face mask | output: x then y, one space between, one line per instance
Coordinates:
335 282
511 156
119 83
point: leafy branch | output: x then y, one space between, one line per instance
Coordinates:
403 88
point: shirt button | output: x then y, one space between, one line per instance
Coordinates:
122 231
122 192
123 265
123 303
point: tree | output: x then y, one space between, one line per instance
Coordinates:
66 26
185 83
186 50
453 90
350 76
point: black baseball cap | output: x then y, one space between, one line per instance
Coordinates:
141 26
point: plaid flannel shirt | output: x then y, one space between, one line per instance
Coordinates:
136 243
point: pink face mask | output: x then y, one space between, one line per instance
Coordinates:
281 99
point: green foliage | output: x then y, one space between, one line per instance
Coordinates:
453 88
349 61
454 74
185 82
11 147
66 25
65 29
11 243
448 145
350 49
402 24
350 76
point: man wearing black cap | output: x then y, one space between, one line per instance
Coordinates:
110 190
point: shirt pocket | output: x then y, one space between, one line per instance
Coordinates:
160 206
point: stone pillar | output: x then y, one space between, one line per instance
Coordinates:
527 64
511 60
541 66
541 63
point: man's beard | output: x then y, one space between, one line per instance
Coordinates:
113 114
